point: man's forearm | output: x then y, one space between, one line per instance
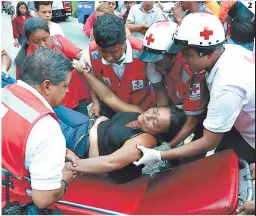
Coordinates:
43 199
94 165
94 97
134 28
194 148
143 31
161 95
188 128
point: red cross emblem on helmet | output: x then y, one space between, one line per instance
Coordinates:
206 33
150 39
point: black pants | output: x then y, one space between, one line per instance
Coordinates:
234 140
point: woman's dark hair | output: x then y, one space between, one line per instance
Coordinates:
33 24
18 10
45 64
177 120
30 26
108 31
116 5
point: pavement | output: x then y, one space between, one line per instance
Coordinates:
71 28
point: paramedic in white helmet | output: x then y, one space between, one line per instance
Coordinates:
186 91
230 121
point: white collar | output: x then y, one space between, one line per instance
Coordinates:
128 55
34 92
215 68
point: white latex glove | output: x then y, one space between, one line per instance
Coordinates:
150 156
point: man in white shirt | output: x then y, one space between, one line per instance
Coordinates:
142 16
114 60
44 10
36 147
230 121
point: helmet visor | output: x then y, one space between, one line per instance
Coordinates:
177 46
150 57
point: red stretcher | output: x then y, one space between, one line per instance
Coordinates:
211 185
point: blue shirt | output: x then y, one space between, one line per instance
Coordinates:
7 80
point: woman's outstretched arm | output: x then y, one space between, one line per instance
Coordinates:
103 91
117 160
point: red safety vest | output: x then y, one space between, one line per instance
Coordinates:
134 87
24 109
185 89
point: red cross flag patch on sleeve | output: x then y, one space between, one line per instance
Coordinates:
195 91
137 84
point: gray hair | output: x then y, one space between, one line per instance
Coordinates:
45 64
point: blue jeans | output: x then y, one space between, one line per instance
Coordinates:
248 46
7 80
82 107
73 125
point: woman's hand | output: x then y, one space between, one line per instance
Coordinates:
248 208
16 43
95 109
71 157
81 67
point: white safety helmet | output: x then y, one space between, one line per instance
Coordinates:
201 30
157 41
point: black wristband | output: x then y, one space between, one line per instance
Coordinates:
66 185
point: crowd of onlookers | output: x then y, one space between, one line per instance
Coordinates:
237 19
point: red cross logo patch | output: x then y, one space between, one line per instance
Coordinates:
195 91
150 39
137 84
206 33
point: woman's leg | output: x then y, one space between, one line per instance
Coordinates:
21 39
76 138
74 126
82 108
70 117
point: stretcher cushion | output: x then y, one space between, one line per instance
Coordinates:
104 193
206 186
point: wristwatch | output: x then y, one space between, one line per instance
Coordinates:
66 185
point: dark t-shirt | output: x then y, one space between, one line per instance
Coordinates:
242 26
112 134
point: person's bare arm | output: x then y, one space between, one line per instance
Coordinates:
105 93
161 95
143 31
134 28
208 142
95 109
78 56
43 199
117 160
188 128
6 61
